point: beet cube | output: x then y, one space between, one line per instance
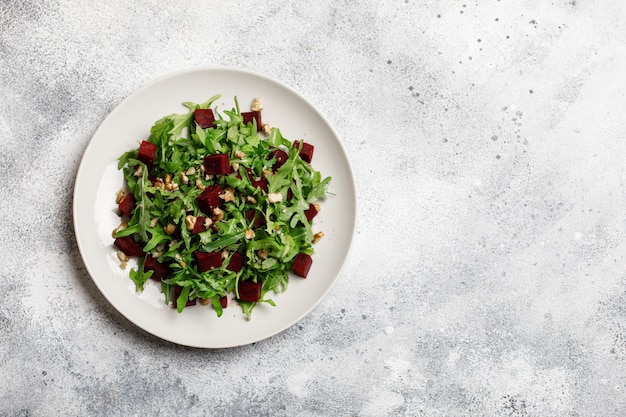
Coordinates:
302 264
127 205
160 270
259 219
306 153
280 156
217 164
311 212
236 262
208 260
177 290
199 226
250 291
248 117
260 183
209 198
127 245
224 301
204 118
147 152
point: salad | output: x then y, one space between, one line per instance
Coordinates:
218 207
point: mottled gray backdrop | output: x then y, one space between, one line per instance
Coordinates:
487 276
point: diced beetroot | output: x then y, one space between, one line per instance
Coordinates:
147 152
306 153
199 226
209 199
217 164
260 183
236 262
127 245
177 290
224 301
258 221
208 260
311 212
302 264
281 157
248 117
160 270
127 205
250 291
204 117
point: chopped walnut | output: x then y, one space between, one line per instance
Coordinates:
138 171
190 171
204 301
249 234
122 226
274 197
228 194
184 178
218 213
158 183
169 229
257 104
263 253
190 222
122 256
239 154
199 184
154 222
120 196
318 236
267 129
250 199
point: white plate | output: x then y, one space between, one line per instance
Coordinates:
98 181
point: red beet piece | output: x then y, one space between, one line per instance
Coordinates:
160 270
217 164
302 264
250 291
260 183
127 205
204 117
224 301
209 199
177 290
280 156
147 152
306 153
236 262
248 117
127 245
259 220
311 212
199 226
208 260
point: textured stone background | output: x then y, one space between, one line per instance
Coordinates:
487 274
